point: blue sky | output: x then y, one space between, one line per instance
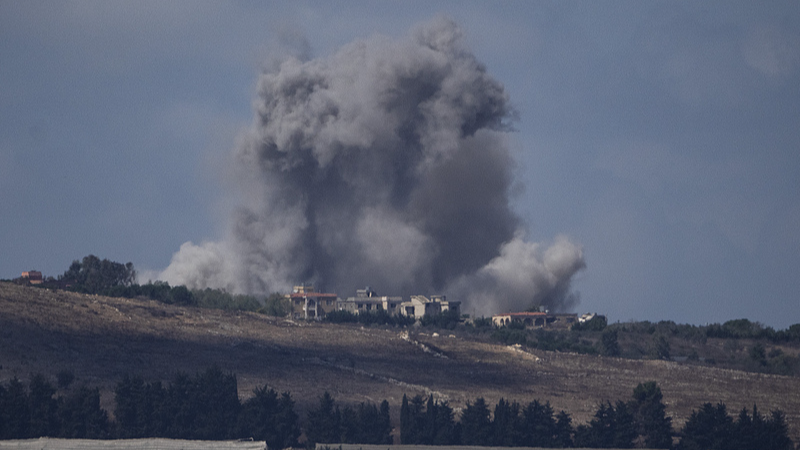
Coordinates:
661 136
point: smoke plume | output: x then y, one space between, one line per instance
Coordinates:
385 165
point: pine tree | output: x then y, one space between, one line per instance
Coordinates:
563 431
539 425
649 412
43 407
17 408
709 428
324 423
476 426
270 418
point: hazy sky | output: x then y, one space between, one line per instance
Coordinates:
663 137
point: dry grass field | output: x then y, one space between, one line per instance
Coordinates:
100 339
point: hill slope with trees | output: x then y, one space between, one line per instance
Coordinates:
100 340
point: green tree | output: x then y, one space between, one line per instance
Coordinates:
216 401
609 342
649 412
43 407
139 408
276 305
539 425
612 427
507 424
81 416
95 276
758 354
563 431
412 421
268 417
660 347
476 426
777 435
709 428
17 411
324 423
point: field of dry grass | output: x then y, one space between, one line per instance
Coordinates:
100 339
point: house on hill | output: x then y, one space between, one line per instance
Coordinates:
307 303
32 277
536 319
418 306
367 300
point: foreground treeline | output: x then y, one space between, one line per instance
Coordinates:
206 406
638 423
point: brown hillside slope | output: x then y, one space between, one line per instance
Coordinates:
100 339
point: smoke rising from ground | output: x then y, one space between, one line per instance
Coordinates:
386 165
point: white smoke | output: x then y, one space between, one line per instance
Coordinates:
384 164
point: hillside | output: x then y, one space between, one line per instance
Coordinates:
100 339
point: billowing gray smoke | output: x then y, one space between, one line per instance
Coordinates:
382 165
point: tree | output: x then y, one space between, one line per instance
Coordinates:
446 429
709 428
267 417
476 426
539 425
506 426
412 421
612 427
385 424
81 416
609 342
216 399
777 433
649 412
324 422
43 407
563 434
95 276
660 347
17 411
139 408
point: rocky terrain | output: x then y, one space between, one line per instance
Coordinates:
100 339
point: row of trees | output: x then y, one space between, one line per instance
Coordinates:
206 406
365 424
642 419
711 428
33 411
91 275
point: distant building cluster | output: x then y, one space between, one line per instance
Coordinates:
307 303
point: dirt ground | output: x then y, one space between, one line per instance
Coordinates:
100 339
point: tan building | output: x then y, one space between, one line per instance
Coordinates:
367 300
420 306
33 277
536 319
306 303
